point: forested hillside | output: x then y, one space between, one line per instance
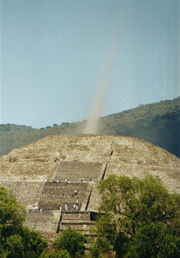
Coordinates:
158 123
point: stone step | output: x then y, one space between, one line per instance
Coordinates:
76 215
88 234
74 222
81 227
88 246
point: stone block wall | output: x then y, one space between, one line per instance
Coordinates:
43 221
55 195
27 192
75 170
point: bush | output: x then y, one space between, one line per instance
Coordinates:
100 246
71 241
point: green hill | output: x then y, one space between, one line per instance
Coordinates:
158 123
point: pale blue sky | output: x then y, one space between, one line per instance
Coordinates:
53 51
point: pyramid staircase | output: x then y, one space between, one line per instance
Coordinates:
80 221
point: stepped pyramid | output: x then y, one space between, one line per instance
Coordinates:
47 173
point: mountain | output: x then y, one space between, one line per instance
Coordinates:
158 123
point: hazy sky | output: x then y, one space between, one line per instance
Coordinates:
54 53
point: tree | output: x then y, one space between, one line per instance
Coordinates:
71 241
11 219
141 219
101 246
33 242
17 241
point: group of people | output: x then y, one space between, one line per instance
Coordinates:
59 181
75 206
74 194
81 179
34 208
37 208
67 180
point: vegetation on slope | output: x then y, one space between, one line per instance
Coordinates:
158 123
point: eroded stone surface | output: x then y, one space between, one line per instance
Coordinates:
31 170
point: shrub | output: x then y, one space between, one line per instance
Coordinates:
71 241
